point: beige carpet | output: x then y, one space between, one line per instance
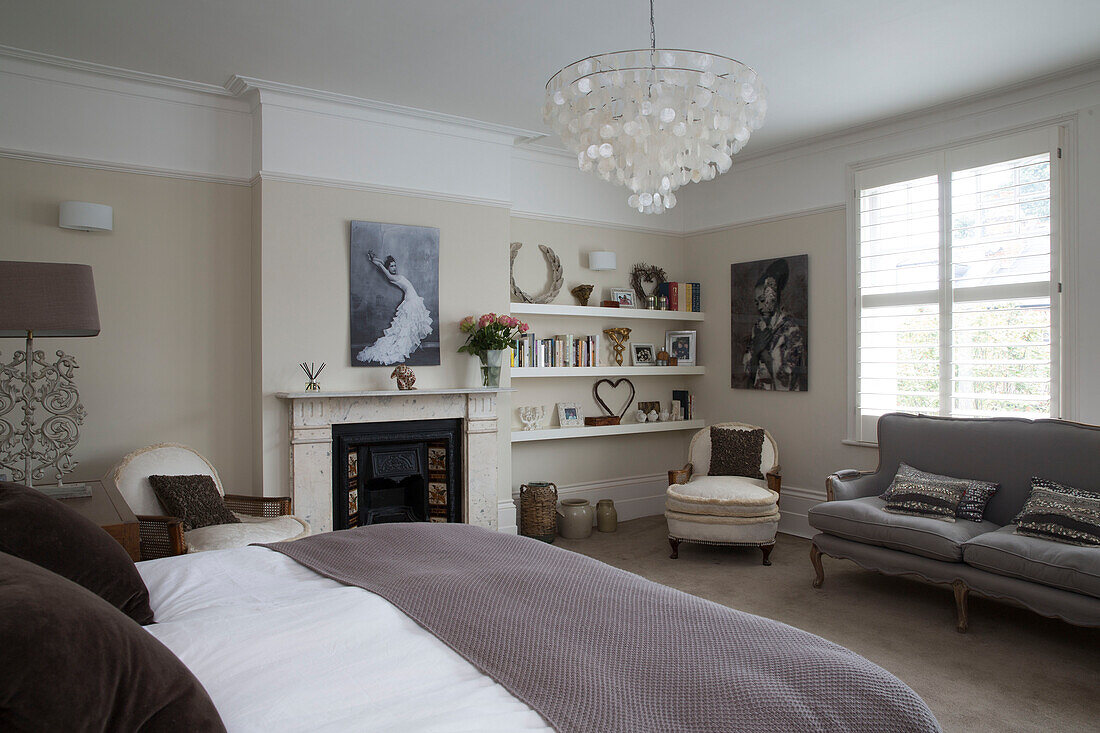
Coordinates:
1013 670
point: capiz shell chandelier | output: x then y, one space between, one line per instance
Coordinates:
654 119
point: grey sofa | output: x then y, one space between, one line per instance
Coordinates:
1050 578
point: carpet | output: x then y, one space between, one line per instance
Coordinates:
1012 671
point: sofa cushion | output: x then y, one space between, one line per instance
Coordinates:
730 496
1060 513
247 531
723 530
976 494
863 520
1056 564
195 499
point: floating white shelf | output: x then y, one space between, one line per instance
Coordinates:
551 309
588 431
607 371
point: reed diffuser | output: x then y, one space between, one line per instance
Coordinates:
312 372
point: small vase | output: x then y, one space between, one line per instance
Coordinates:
490 367
575 519
607 519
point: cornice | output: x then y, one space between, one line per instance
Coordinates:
121 167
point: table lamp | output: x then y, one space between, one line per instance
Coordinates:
42 299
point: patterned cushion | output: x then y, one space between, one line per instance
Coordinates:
193 499
1060 513
975 497
922 494
736 452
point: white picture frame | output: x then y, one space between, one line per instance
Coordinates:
570 415
625 297
643 354
680 343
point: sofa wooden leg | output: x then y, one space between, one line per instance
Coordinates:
675 544
815 558
767 550
961 595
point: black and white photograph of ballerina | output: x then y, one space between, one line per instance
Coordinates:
769 310
394 294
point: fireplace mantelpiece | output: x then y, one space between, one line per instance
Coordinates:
312 415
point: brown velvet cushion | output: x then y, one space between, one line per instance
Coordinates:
46 532
736 452
72 662
193 499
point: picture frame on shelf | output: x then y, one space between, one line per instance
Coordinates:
624 297
570 415
681 345
643 354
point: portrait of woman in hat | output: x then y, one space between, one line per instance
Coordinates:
769 324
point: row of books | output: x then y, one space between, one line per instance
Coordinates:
685 297
564 350
687 403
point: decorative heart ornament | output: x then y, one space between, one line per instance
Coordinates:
613 385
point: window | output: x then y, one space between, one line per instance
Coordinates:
955 303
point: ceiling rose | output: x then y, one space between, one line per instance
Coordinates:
654 119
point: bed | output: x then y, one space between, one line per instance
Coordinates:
281 647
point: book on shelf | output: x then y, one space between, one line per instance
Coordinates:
563 350
684 397
681 296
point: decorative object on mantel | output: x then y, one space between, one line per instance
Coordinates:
643 354
556 277
662 358
487 338
406 378
648 407
640 415
654 119
618 338
651 302
607 518
609 303
394 298
582 293
643 273
769 328
575 519
662 303
624 297
538 501
531 416
653 416
43 299
681 347
312 372
611 418
570 415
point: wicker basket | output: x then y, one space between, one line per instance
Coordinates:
538 502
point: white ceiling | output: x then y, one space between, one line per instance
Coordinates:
829 64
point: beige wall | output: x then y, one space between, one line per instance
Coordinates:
172 362
303 265
584 460
808 426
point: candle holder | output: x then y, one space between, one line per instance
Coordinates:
618 338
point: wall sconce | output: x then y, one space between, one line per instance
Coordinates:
601 260
86 217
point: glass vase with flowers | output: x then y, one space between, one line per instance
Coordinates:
487 338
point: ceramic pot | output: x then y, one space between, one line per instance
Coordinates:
575 519
607 519
490 367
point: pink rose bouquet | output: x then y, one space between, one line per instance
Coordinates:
490 332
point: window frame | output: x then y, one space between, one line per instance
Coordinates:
942 161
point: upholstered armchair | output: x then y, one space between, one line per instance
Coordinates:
263 518
724 510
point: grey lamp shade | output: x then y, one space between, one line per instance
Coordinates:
49 298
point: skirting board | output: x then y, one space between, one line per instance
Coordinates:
644 496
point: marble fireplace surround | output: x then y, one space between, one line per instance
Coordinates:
312 415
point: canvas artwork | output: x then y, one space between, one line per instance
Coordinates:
394 287
769 324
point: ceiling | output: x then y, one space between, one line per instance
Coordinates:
829 64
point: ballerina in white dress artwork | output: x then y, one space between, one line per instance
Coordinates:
412 322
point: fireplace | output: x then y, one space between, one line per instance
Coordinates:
402 471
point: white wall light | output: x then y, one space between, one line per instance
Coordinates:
601 260
86 217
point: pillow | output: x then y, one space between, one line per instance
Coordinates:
735 452
975 497
73 662
44 531
921 494
1061 513
193 499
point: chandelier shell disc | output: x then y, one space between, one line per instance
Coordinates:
653 120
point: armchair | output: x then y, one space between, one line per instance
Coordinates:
263 518
724 510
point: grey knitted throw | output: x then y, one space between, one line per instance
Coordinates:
594 648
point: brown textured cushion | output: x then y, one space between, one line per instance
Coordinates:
45 532
72 662
735 452
193 499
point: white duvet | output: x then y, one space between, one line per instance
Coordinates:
280 648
